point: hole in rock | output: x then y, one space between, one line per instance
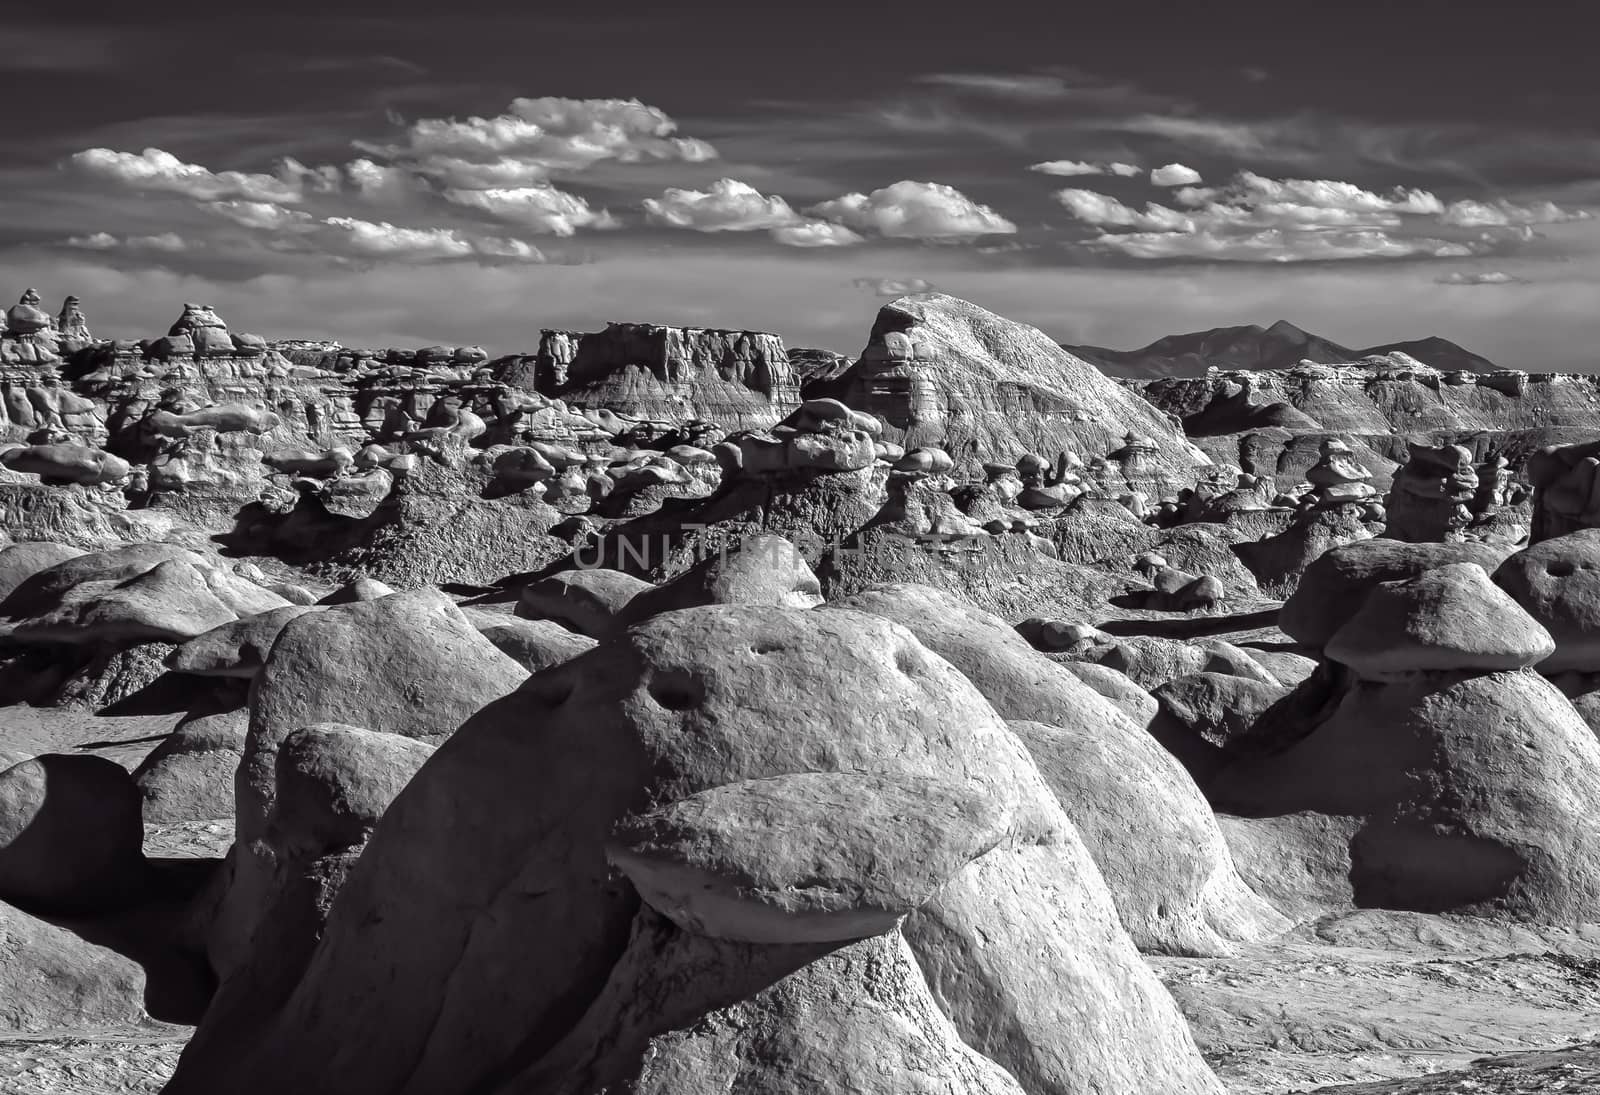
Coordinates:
676 691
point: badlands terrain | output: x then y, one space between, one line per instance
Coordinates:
667 710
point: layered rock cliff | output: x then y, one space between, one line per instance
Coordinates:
739 379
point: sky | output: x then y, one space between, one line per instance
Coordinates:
469 172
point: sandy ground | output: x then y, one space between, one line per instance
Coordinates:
126 739
1376 995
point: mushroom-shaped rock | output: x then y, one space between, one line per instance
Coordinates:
1451 617
806 858
235 649
762 570
1334 586
1154 838
1474 793
1557 582
586 601
487 880
26 317
70 833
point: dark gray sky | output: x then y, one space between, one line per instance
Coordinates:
411 173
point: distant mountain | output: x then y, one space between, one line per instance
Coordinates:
1281 346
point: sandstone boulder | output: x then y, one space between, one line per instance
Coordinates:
586 601
1451 617
1335 585
70 833
1558 582
762 570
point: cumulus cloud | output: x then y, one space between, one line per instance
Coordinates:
1485 277
1083 167
894 287
1254 218
1504 214
169 242
541 208
537 138
380 239
729 206
915 210
1174 174
267 216
816 234
154 169
1101 210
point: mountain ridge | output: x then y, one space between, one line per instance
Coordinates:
1283 345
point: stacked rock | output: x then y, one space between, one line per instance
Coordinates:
1430 500
1044 487
1565 498
821 435
73 326
28 334
1337 478
1471 774
919 502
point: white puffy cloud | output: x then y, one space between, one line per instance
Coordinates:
1252 189
1505 214
1174 174
816 234
893 287
268 216
915 210
536 138
1277 245
1085 167
154 169
169 242
382 182
1101 210
380 239
541 208
728 206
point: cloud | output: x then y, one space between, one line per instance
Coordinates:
1100 210
1034 88
729 206
893 287
1174 174
817 234
541 208
1277 245
380 239
267 216
915 210
154 169
1503 214
381 182
1485 277
1250 188
1080 167
537 138
169 242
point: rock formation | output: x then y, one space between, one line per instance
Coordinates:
943 373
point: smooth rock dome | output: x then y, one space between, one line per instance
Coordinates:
1451 618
